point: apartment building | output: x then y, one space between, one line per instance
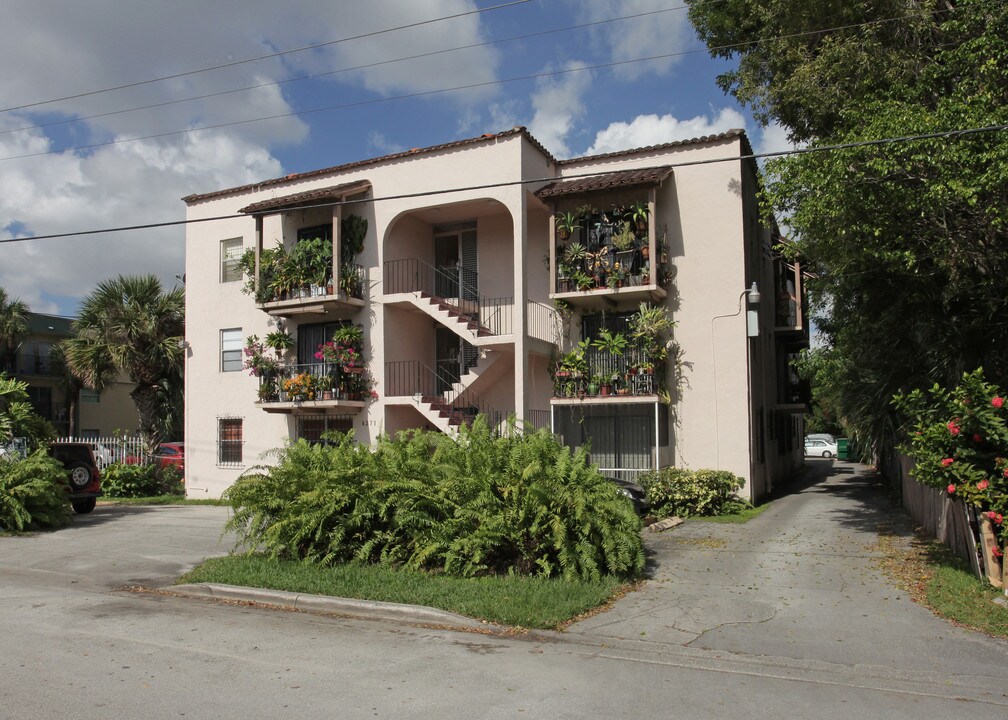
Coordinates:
87 414
483 276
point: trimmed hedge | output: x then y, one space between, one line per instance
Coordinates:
132 481
687 493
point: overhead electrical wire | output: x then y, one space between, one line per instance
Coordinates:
315 76
960 133
425 93
279 53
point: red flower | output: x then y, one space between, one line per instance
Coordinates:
995 517
996 551
953 427
997 401
951 489
946 462
1006 472
977 438
982 485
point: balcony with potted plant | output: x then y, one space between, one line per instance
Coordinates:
607 255
303 280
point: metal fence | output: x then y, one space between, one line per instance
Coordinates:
109 450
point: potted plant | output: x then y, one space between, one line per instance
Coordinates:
353 230
624 240
610 342
575 255
583 281
638 214
566 224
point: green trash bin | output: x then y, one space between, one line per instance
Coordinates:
841 447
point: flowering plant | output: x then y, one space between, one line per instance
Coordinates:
340 354
959 440
257 362
302 386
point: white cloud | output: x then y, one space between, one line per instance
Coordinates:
774 138
653 129
660 33
382 144
66 47
557 105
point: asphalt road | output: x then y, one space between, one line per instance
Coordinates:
782 617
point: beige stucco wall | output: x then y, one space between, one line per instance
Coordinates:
114 411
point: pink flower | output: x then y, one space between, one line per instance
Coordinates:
982 485
946 462
997 401
996 551
953 427
951 489
1006 472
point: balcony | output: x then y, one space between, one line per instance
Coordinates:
790 313
315 389
796 396
307 302
602 258
604 377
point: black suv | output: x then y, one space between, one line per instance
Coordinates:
83 476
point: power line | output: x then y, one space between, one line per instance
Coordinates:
366 66
961 133
425 93
266 57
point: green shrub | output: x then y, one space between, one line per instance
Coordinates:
686 493
130 481
475 505
33 493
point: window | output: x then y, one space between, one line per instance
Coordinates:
311 427
229 442
90 396
315 231
231 350
230 254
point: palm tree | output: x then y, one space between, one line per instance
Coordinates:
130 325
13 326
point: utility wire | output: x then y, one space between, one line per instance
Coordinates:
280 53
425 93
378 63
961 133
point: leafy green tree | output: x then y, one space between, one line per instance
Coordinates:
13 326
130 325
907 239
17 416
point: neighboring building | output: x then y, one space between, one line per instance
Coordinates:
457 290
33 362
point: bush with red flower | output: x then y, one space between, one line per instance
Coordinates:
959 440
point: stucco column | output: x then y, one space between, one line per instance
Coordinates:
519 220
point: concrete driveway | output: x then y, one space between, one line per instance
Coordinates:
797 588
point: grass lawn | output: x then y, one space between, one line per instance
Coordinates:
936 578
519 601
158 500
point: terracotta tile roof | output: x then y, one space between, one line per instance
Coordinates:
302 199
621 178
486 137
727 134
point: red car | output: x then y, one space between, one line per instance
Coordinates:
171 453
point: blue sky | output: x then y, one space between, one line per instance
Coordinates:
64 47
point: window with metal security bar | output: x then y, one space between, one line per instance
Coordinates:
229 442
313 427
230 254
620 437
231 349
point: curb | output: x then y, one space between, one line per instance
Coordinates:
304 602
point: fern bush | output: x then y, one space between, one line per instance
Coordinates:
686 493
33 493
480 504
131 481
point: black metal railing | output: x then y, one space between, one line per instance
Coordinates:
632 373
452 283
604 267
538 419
412 378
29 363
544 322
315 381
